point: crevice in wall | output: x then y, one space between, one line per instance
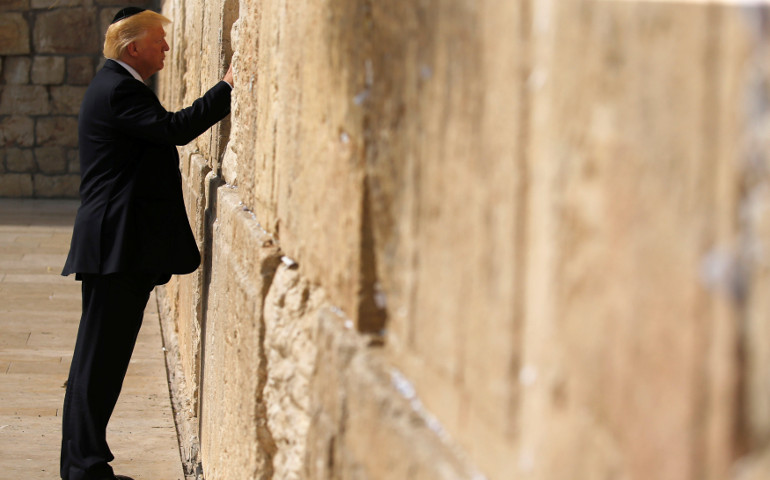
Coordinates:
372 310
185 420
209 216
265 442
745 274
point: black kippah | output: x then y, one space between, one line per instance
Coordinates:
125 13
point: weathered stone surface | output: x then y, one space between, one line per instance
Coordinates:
354 389
51 159
80 70
73 161
16 70
53 31
48 70
232 395
18 160
14 34
57 3
17 131
291 312
304 140
60 131
14 5
15 185
56 186
565 246
140 3
66 100
24 100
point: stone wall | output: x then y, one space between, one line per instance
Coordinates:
49 51
463 240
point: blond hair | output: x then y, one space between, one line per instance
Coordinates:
130 29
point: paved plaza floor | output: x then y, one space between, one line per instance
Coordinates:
39 314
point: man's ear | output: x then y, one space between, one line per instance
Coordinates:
131 49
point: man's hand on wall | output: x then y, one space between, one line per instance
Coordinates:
229 76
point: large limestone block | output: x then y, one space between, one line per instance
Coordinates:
295 115
80 70
57 130
16 185
235 441
51 160
48 70
16 71
14 34
445 176
56 186
629 355
19 160
171 90
17 130
66 99
214 51
367 420
291 315
40 4
192 74
20 5
24 100
138 3
54 31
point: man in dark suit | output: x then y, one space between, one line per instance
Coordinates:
131 231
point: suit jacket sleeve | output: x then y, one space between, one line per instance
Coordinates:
138 113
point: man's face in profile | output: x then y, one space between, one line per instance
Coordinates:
151 51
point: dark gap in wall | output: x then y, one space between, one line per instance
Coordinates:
372 313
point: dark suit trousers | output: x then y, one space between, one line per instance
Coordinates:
113 307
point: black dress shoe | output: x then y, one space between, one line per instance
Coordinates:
122 477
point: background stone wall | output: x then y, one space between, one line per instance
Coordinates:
49 51
462 240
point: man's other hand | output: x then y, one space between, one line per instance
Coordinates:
229 76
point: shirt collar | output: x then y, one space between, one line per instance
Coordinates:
130 70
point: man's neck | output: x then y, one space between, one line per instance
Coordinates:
130 69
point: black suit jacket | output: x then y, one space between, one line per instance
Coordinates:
132 216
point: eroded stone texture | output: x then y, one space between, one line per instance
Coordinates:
300 141
14 5
19 160
53 32
233 404
51 160
80 70
16 71
15 185
24 100
56 186
556 210
57 3
291 317
59 130
48 70
14 34
17 131
65 100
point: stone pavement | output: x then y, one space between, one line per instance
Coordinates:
39 314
